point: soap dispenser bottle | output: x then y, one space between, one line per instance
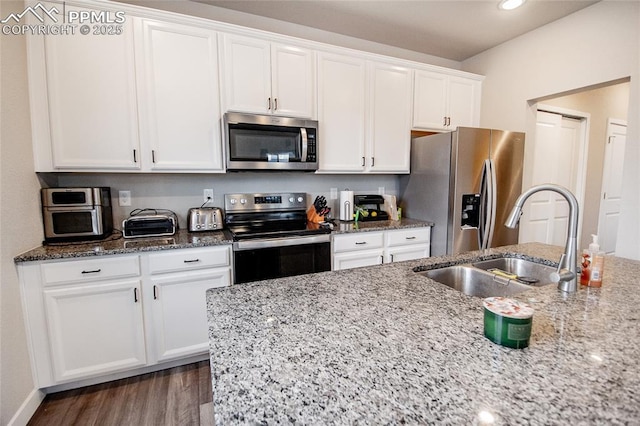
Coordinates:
597 263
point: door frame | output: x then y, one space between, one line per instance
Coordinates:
583 151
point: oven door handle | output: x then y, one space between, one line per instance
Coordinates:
280 242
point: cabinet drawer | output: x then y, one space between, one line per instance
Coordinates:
404 237
357 241
90 270
184 260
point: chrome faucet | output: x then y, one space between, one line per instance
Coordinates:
566 276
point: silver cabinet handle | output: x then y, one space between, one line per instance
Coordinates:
191 261
94 271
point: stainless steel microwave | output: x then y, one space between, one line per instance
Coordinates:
71 214
266 142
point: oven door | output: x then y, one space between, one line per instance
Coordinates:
281 257
72 223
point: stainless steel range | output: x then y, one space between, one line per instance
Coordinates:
272 238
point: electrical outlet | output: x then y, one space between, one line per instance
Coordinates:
124 198
208 195
334 194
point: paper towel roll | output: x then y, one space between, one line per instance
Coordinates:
346 205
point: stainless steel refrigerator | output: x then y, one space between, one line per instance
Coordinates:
465 182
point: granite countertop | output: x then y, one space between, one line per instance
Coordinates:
383 344
182 239
342 227
118 245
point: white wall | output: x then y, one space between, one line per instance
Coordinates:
20 224
598 44
180 192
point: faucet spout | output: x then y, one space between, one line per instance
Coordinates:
567 276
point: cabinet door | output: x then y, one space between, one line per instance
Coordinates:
179 310
293 81
92 100
95 328
402 253
390 115
247 75
430 100
341 113
464 102
179 97
357 259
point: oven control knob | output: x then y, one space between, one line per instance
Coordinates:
291 199
243 201
233 201
300 199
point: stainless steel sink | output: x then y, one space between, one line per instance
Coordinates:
530 272
476 279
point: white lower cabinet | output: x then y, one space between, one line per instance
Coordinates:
357 250
373 248
95 317
95 328
407 244
177 302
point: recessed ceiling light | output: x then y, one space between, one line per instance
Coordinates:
510 4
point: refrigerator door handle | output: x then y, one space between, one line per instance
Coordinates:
493 202
487 206
482 222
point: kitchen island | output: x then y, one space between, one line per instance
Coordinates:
385 345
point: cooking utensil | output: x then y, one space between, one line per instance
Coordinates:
500 272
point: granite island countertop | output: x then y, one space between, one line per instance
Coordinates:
383 344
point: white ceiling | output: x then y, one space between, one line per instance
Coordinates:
452 29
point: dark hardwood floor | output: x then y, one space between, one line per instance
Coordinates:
170 397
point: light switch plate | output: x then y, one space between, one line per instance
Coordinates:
334 194
124 198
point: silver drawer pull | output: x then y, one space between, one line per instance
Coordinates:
95 271
192 261
360 243
410 238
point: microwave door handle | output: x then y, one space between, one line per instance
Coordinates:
303 140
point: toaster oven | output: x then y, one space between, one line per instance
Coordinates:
71 214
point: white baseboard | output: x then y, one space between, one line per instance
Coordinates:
27 409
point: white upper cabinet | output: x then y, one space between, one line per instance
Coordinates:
364 114
268 78
390 118
341 113
444 102
90 120
179 97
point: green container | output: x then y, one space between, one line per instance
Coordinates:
507 322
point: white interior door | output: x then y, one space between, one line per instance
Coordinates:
612 185
557 151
